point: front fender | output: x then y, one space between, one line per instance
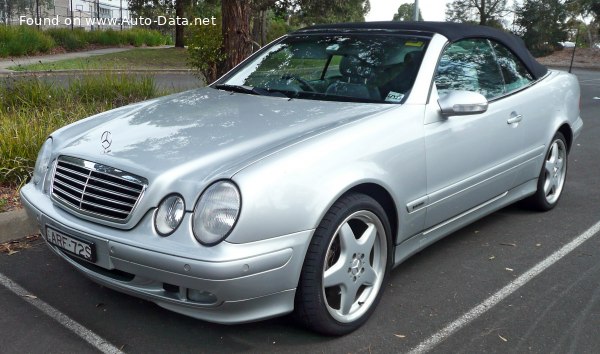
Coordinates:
294 188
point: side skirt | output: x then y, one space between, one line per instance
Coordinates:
418 242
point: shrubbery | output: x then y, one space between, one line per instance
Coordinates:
27 40
23 40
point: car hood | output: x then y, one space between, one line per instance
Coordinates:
203 134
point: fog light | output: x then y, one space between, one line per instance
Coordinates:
201 296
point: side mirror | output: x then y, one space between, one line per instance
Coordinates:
461 103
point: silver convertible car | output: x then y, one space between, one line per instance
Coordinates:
299 179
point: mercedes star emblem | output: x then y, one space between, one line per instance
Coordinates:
106 141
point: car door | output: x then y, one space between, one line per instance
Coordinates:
470 159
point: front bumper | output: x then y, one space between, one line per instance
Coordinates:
226 283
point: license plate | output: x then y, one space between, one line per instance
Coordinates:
75 246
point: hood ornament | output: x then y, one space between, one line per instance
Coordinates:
106 141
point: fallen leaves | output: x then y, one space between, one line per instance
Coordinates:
13 247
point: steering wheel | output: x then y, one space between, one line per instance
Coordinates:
305 85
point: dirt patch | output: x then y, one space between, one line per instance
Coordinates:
9 199
585 58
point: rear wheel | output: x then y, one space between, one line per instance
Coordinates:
553 175
346 265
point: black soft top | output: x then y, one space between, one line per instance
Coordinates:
452 31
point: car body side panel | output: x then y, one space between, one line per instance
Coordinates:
470 160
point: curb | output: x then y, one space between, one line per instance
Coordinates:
16 224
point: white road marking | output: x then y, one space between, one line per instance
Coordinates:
87 335
513 286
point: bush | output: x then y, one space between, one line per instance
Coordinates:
70 40
150 38
23 40
205 50
30 109
26 40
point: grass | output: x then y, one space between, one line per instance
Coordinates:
135 59
30 109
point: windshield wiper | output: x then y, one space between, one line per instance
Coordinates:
250 90
238 88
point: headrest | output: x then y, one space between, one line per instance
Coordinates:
351 66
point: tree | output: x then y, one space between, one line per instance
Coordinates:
581 11
260 19
483 12
542 24
406 12
309 12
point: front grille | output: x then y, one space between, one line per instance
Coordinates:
96 190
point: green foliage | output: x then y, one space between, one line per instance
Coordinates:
23 40
205 45
542 25
30 109
406 12
277 27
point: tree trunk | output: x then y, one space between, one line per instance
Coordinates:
483 13
237 41
263 27
256 27
179 12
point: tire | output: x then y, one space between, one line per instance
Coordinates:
343 274
552 176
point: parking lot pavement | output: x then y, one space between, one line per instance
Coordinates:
555 311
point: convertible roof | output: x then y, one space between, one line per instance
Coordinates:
452 31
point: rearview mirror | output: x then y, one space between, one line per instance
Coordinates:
461 103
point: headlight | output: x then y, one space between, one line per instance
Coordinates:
42 162
216 212
169 215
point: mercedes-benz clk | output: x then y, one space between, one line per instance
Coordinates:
299 179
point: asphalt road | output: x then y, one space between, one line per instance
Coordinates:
556 311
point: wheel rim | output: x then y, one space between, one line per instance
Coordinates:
354 266
555 168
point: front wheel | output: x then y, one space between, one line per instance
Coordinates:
553 175
345 267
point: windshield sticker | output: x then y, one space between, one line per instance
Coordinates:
394 97
414 44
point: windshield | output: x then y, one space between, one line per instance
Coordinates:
350 68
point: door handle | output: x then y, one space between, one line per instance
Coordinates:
515 119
